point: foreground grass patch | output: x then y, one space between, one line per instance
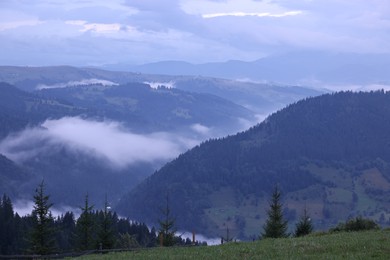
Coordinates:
351 245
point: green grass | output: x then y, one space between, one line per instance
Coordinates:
353 245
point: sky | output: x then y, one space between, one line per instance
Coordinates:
101 32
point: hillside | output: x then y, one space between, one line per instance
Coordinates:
69 135
352 245
330 153
263 98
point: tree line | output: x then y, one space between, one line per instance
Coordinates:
42 233
276 226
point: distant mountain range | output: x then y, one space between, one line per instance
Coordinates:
300 67
89 130
330 154
263 98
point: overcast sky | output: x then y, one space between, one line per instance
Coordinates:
88 32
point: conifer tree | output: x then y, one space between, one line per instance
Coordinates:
42 236
106 236
7 227
167 226
84 226
304 226
275 226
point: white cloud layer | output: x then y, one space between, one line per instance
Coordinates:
107 140
84 82
242 14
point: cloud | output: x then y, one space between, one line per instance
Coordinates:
138 31
21 23
242 14
107 140
84 82
201 129
156 85
25 207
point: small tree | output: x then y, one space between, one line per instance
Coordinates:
84 227
167 226
304 226
275 226
42 235
106 235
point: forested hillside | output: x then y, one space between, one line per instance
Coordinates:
330 153
42 133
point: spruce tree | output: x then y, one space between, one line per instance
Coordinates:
106 235
275 226
7 226
84 227
304 226
42 235
167 226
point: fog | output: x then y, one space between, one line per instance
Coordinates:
84 82
107 140
25 207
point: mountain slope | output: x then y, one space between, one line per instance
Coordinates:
91 138
330 153
19 109
259 97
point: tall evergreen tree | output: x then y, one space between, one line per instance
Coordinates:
84 227
42 235
106 236
304 226
167 226
7 226
275 226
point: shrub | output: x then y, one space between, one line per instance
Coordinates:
356 224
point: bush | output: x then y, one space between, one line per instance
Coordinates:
356 224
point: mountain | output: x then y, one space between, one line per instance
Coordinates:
78 137
262 98
12 177
77 128
146 109
330 154
299 67
18 109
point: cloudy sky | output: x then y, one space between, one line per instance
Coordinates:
100 32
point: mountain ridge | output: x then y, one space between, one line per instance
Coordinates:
321 151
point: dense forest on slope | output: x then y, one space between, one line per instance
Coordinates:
19 109
136 107
330 153
146 109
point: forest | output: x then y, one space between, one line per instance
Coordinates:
41 233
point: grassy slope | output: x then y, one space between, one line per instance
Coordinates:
353 245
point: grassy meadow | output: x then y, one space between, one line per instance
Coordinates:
346 245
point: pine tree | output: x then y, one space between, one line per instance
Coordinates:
7 227
84 227
106 236
167 226
42 236
275 226
304 226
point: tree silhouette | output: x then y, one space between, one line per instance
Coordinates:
42 235
106 236
275 226
167 226
304 226
84 226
